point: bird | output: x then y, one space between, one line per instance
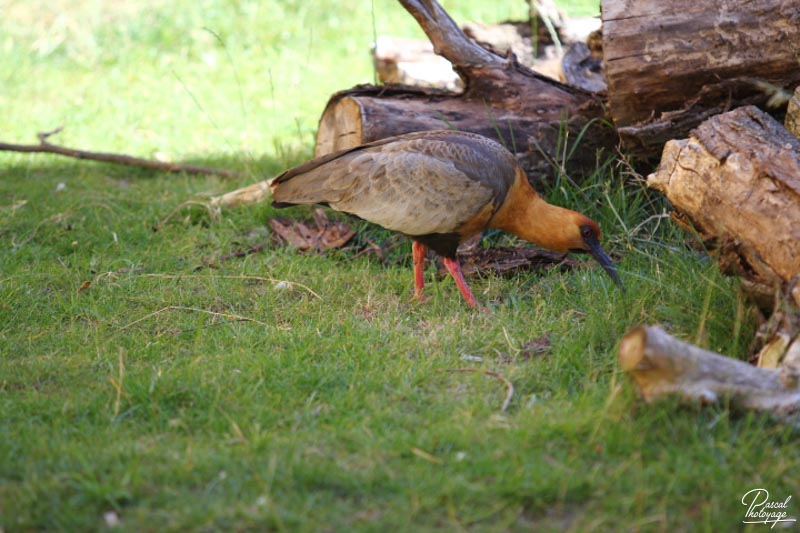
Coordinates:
439 188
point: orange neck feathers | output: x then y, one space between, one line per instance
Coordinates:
529 216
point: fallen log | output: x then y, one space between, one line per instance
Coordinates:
737 179
671 65
501 99
662 365
736 182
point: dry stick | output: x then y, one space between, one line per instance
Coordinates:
117 383
422 454
508 384
182 308
106 157
255 278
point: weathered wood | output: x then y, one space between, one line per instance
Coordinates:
365 114
737 178
501 99
413 62
792 120
583 68
670 65
252 194
514 37
662 365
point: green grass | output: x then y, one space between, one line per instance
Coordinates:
146 394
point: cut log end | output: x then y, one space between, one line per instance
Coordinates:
631 349
340 127
662 365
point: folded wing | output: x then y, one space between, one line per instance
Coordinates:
417 184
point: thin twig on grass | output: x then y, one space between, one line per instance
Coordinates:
117 383
106 157
646 221
274 281
231 316
508 384
422 454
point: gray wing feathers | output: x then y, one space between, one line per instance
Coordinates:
412 193
418 184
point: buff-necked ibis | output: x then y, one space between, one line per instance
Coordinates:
439 188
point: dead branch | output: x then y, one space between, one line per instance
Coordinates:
252 194
46 147
231 316
447 38
274 281
662 365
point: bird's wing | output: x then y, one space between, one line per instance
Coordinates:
415 184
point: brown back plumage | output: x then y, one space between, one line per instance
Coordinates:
421 183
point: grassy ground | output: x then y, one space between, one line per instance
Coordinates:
183 390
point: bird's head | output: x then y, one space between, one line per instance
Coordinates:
583 235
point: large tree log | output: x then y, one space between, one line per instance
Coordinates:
670 65
662 365
501 99
737 178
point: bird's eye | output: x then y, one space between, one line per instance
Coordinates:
586 232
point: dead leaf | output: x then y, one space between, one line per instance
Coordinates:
320 234
536 348
85 285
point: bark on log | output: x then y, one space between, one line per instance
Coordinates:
792 120
737 178
501 99
670 65
662 365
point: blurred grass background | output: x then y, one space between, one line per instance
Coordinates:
184 390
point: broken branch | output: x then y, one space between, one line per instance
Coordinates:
46 147
662 365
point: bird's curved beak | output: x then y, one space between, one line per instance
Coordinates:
598 253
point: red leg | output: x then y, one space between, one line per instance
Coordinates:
454 268
418 254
